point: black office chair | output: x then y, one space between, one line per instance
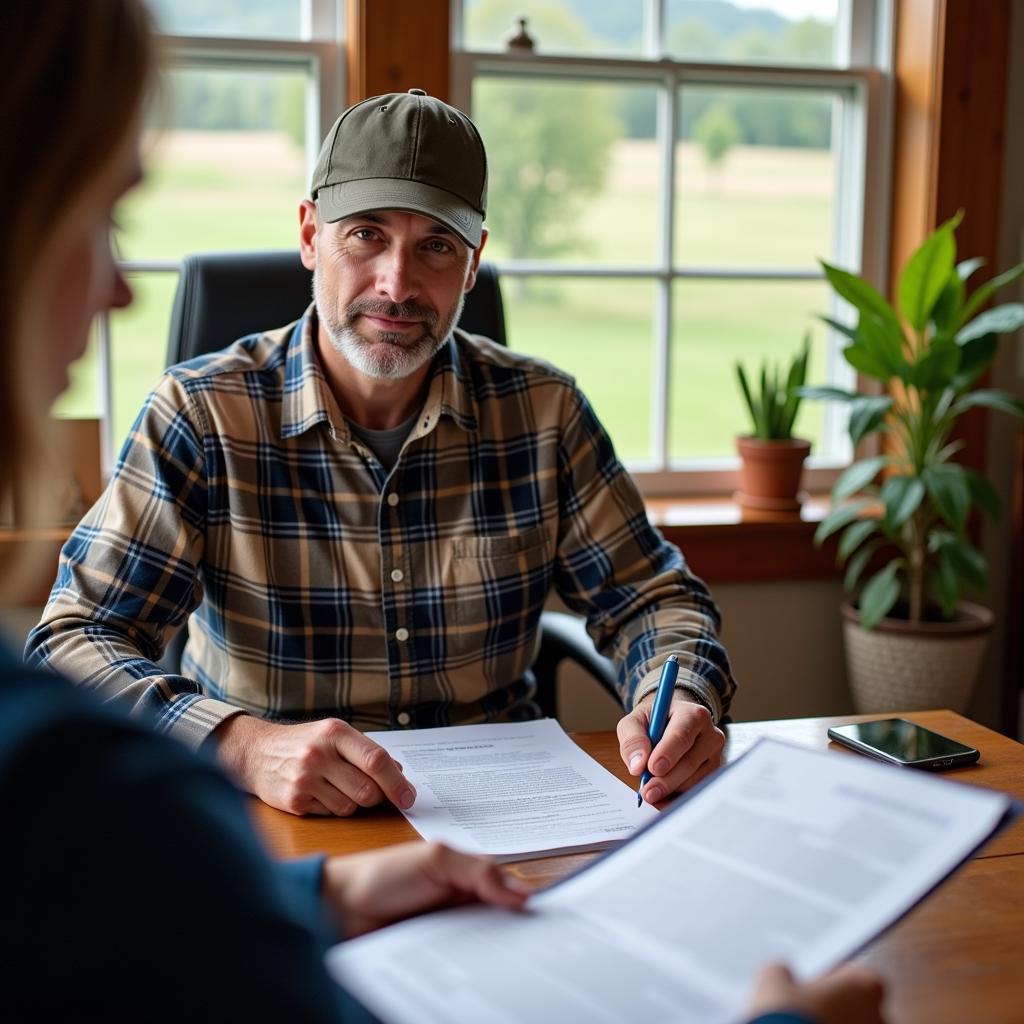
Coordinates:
224 296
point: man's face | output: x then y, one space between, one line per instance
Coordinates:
389 287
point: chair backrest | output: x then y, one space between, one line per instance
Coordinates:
223 296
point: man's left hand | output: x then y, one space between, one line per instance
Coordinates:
690 748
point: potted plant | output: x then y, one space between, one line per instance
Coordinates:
903 512
771 459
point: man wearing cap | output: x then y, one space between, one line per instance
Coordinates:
364 512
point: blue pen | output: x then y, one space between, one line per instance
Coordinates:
659 714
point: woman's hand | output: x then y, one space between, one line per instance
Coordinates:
369 890
848 995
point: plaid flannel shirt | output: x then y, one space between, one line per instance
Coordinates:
319 584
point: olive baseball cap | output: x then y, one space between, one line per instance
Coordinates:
404 151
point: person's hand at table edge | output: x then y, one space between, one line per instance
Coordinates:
851 994
324 767
372 889
690 748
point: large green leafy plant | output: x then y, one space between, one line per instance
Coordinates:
913 500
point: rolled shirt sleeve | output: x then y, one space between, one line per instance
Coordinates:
640 600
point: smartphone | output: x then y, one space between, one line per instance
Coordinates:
898 741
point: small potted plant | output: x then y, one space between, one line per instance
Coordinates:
903 511
771 459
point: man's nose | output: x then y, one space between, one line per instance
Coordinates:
397 277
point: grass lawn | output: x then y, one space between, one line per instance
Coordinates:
764 208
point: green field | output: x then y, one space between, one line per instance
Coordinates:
764 208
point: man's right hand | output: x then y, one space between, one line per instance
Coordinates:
324 767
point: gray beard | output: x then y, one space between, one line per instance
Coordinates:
388 355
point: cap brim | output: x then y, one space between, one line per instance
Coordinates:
350 198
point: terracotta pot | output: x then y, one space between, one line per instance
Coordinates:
905 666
770 473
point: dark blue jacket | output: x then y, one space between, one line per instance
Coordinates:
134 887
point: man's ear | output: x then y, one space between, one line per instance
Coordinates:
474 261
309 224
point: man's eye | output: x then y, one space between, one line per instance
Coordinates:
436 245
365 234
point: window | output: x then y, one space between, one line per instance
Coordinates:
664 177
252 88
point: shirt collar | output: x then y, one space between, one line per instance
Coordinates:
450 392
307 399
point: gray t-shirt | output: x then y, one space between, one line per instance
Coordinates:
385 444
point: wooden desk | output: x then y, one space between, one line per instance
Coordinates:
955 958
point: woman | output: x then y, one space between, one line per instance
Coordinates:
135 884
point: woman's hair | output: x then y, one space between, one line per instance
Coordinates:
74 78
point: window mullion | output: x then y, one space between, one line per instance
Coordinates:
662 361
654 28
860 25
104 366
321 19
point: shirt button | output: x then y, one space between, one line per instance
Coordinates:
392 499
397 575
401 634
404 718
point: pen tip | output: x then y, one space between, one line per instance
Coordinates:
639 799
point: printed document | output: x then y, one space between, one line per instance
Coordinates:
513 791
788 853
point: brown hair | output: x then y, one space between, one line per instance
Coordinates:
74 78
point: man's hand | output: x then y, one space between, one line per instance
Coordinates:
370 890
324 767
690 748
849 995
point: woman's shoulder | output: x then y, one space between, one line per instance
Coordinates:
60 739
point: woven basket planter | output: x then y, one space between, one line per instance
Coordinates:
900 666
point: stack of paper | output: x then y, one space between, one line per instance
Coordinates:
513 791
787 854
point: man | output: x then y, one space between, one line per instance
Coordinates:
368 509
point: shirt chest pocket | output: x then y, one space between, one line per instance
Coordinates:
501 582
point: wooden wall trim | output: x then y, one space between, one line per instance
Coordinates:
755 552
951 80
1015 606
917 79
30 555
396 45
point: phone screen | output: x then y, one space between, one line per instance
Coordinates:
903 740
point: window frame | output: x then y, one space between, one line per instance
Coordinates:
321 54
866 30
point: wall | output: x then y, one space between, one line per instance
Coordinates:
785 645
15 624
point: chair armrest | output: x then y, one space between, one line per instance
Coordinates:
564 638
